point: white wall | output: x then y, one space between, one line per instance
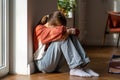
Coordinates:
18 36
96 20
24 14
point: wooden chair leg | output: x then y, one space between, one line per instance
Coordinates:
118 40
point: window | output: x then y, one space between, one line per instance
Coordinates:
4 38
0 35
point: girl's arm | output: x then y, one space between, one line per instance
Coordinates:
47 35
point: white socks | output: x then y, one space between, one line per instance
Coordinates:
83 73
91 72
79 72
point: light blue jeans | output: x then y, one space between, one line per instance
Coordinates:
70 49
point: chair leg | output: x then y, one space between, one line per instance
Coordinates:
118 40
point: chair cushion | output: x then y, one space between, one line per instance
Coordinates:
114 30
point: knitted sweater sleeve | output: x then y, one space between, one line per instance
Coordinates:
47 35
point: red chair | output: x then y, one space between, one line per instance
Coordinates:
112 25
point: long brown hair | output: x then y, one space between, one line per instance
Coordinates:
56 18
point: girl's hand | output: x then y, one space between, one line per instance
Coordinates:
73 31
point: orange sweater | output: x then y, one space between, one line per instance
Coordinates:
43 36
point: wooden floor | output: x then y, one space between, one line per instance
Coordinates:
99 62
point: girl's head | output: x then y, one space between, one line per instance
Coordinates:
56 19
